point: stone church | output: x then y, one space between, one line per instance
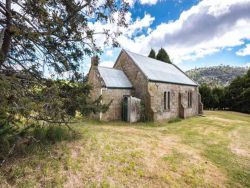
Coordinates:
163 90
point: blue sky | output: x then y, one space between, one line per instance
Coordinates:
163 11
195 33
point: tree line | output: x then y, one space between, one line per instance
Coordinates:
235 96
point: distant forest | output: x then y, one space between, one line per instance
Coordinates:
216 76
227 95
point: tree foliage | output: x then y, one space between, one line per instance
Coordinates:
235 97
55 35
152 54
206 95
26 103
163 56
239 93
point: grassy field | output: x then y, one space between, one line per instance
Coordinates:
209 151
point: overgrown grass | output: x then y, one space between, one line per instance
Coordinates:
48 134
210 151
35 155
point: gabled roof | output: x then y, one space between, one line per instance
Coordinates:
159 71
114 78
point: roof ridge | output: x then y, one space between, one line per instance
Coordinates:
109 68
146 72
147 57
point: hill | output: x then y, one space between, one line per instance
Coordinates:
216 75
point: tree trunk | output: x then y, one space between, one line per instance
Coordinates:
7 34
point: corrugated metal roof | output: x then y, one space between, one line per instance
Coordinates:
156 70
114 78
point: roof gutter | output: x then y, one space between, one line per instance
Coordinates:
120 88
159 81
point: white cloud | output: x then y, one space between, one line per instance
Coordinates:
134 28
247 65
149 2
146 21
109 53
204 29
143 2
137 26
107 63
244 51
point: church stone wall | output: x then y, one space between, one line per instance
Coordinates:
115 109
95 80
115 95
150 93
138 80
157 90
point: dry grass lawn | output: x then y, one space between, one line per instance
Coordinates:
209 151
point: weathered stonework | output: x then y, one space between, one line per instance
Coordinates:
137 78
178 100
115 109
150 93
115 95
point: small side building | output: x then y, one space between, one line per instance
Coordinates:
113 85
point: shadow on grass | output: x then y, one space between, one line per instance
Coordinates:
42 146
39 139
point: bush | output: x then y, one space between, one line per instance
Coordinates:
48 134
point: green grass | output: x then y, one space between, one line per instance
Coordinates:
210 151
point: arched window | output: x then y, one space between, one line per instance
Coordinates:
166 100
190 99
169 100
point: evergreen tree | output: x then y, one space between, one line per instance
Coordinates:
163 56
239 93
217 98
235 97
57 35
152 54
206 96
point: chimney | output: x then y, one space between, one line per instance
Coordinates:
94 60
